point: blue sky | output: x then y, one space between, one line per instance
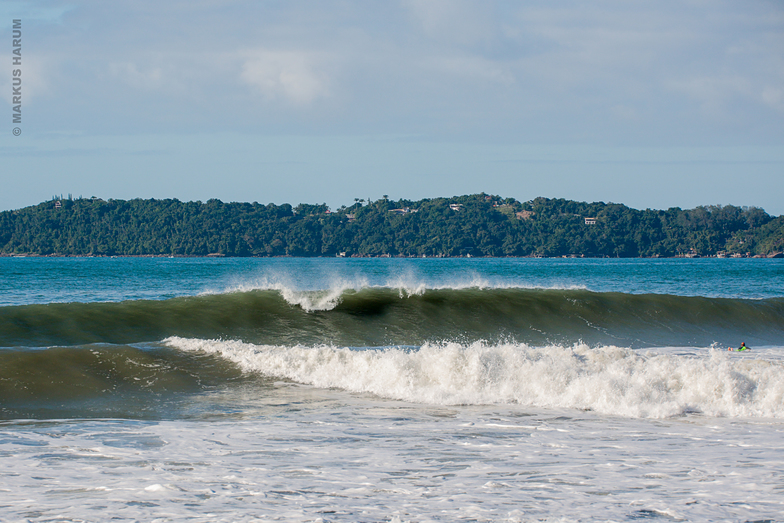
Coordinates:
647 103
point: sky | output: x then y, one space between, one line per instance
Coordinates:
653 104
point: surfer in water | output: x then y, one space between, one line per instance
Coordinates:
742 347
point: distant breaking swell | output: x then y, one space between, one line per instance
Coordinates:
376 317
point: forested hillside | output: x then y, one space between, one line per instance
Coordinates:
477 225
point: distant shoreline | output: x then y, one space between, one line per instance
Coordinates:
477 225
777 255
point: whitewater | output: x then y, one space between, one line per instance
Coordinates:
609 380
391 390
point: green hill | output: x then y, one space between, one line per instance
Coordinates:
477 225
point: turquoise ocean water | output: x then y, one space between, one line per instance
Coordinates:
391 389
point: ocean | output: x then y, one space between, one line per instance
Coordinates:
391 390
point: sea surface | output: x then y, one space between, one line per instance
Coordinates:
370 390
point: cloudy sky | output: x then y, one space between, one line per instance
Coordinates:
649 103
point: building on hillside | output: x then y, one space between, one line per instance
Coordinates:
590 221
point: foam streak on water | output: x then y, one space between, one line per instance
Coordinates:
609 380
310 455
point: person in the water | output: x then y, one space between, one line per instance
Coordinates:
742 347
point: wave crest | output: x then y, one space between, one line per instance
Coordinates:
383 316
609 380
405 286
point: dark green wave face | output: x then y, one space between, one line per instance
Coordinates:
384 316
106 381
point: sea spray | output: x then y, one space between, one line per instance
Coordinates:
609 380
406 285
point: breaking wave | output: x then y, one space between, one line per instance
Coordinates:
384 316
609 380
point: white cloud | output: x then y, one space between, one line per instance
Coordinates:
773 97
491 68
35 82
290 75
129 72
475 67
715 94
182 75
624 113
462 22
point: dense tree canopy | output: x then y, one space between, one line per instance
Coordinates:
477 225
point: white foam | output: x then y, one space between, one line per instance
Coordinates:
609 380
330 296
307 299
307 455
